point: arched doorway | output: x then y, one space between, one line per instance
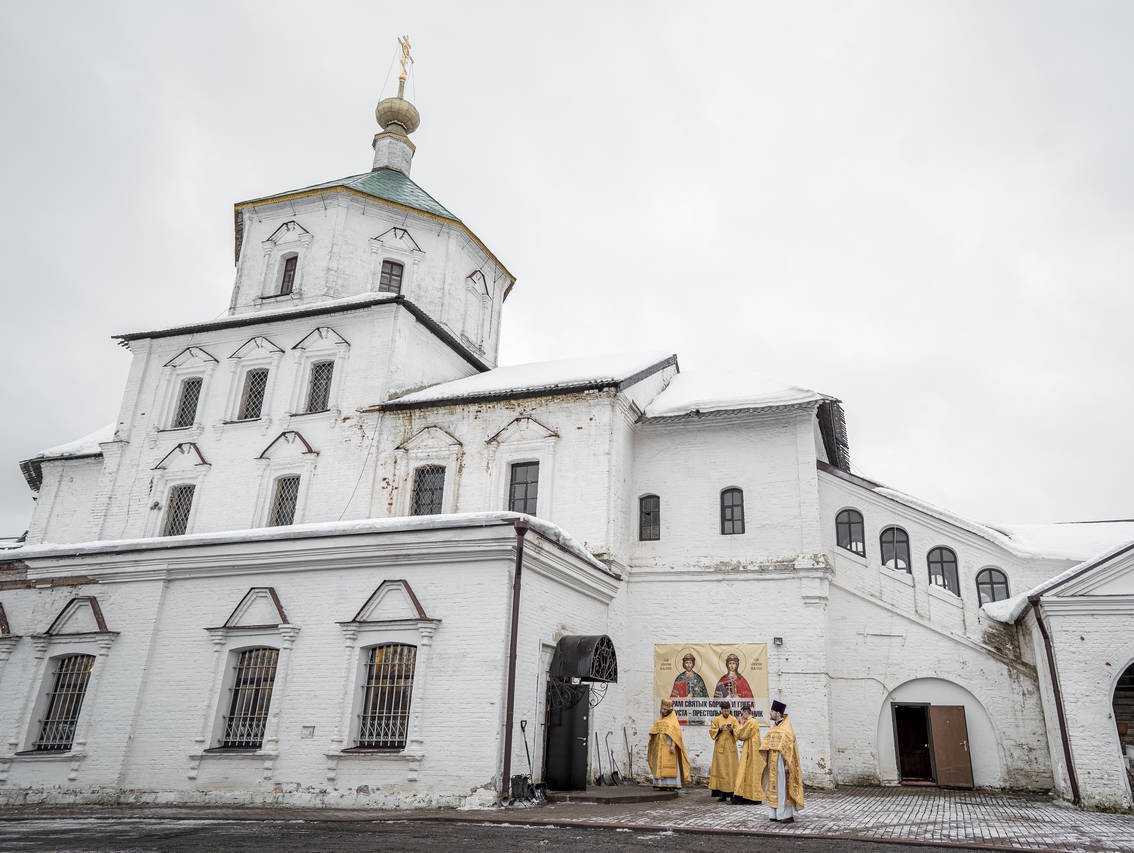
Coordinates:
580 664
1122 705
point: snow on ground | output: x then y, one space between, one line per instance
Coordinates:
541 376
724 391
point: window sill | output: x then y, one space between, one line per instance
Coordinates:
189 428
274 297
308 414
37 755
243 421
847 553
233 753
898 576
366 754
945 595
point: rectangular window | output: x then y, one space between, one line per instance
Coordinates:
649 517
384 722
284 500
177 507
391 278
252 400
428 489
57 728
319 386
251 697
523 487
187 400
287 281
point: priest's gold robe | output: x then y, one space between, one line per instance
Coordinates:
750 771
723 772
667 758
780 742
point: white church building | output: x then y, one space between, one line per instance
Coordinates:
330 552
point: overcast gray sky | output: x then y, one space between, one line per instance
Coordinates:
923 208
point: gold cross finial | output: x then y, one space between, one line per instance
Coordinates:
406 58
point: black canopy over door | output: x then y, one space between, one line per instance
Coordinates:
578 662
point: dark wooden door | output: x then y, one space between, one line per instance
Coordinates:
568 709
911 738
951 746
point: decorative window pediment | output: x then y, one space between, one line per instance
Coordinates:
259 608
322 338
290 232
185 456
190 357
398 238
258 346
5 630
80 615
393 601
523 429
477 281
431 438
287 444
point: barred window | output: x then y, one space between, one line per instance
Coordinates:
284 500
850 532
319 386
895 544
649 517
57 728
251 697
187 399
391 279
178 504
992 585
252 401
943 569
287 279
524 487
428 489
384 722
732 511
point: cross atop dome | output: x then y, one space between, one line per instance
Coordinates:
398 118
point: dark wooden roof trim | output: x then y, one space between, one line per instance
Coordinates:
833 428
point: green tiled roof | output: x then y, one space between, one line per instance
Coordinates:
385 184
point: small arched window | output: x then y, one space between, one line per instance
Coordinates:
732 511
943 569
850 532
991 585
390 280
649 517
287 274
895 545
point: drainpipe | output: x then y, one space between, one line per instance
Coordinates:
513 640
1034 601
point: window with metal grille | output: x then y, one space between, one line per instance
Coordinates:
895 544
428 489
187 400
649 517
287 280
943 569
252 400
319 386
251 697
391 279
523 487
284 500
386 693
732 511
177 507
57 728
991 584
850 533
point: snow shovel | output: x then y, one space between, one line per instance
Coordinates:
538 792
615 776
598 756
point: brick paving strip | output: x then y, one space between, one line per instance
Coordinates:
914 816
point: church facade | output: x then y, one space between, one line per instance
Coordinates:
328 526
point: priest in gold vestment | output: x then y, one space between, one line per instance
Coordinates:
783 784
749 786
723 771
669 763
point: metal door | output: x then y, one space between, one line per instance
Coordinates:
951 746
568 712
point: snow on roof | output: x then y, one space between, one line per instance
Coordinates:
88 445
549 376
717 391
1072 540
544 528
10 542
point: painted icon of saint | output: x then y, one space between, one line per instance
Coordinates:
732 685
688 684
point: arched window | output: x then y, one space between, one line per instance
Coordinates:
649 517
895 544
732 511
69 687
991 585
386 693
287 274
850 532
390 280
943 570
251 697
